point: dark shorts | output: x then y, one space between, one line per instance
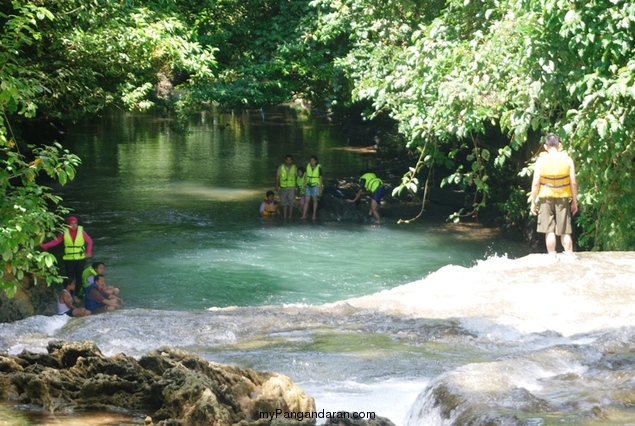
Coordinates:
555 216
69 313
379 194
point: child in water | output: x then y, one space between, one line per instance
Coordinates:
269 206
300 188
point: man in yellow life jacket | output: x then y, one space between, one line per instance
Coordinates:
371 183
554 184
285 185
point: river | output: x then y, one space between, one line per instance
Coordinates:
362 317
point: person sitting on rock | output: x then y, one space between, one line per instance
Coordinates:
88 278
65 301
97 300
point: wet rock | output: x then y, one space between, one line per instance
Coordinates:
172 387
333 206
33 297
350 419
453 405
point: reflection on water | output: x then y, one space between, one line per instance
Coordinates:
175 215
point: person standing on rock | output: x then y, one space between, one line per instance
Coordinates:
555 186
371 183
77 247
285 186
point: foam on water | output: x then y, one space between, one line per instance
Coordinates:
511 332
527 295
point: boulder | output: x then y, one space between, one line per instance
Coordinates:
351 419
33 297
170 386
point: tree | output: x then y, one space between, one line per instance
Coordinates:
25 216
268 53
65 59
516 68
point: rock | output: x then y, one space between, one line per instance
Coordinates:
172 387
333 206
351 419
32 298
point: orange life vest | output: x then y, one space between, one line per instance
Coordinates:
271 208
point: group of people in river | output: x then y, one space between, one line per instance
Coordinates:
82 283
553 201
306 185
553 197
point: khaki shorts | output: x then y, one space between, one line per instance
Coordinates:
555 216
287 196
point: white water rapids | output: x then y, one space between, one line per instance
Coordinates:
526 341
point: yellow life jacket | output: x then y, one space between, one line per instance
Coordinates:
312 175
271 208
88 271
74 250
287 179
300 185
371 181
555 181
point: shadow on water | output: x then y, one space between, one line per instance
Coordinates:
174 215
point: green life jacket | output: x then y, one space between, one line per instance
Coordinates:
287 179
371 181
300 185
74 250
312 175
88 272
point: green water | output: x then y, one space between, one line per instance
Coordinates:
174 215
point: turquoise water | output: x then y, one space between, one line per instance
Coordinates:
175 215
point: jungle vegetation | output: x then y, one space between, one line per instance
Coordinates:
472 85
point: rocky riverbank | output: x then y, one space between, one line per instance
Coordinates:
171 386
168 386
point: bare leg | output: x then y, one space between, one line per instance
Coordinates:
315 205
567 243
305 209
373 210
550 242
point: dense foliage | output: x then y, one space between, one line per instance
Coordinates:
65 59
512 68
473 86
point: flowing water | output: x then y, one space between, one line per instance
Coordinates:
426 324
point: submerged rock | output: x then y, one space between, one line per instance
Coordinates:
171 386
